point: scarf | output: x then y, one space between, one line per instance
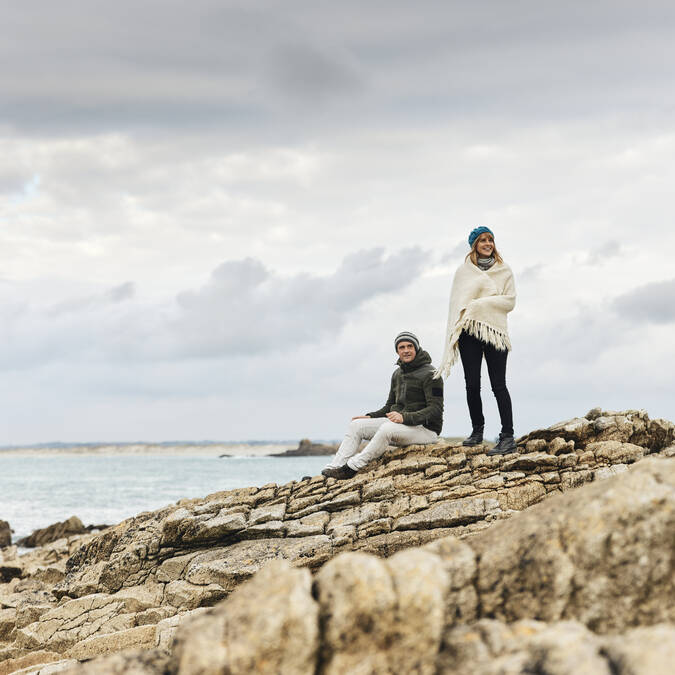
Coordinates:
479 302
486 263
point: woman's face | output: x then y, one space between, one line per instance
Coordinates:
485 245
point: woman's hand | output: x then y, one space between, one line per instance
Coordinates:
395 417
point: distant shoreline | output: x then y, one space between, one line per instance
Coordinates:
179 449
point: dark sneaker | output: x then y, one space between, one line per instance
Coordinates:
344 472
476 437
506 445
330 472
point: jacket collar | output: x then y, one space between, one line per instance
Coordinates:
421 359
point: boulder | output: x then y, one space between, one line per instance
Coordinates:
128 662
382 616
627 426
10 570
5 534
53 532
38 658
269 625
107 643
649 650
489 647
74 621
603 555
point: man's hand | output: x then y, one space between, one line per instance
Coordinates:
395 417
361 417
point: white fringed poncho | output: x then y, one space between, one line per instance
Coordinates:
479 303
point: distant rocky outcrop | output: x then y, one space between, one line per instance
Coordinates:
51 533
433 543
5 534
308 449
56 531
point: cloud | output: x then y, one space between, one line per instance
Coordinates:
458 251
243 70
308 75
653 303
113 295
245 308
531 273
13 182
283 137
607 251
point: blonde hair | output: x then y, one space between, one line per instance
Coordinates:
473 253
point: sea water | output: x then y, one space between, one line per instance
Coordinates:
36 491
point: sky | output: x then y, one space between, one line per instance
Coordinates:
215 216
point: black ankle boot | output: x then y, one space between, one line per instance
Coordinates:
505 445
476 437
344 472
341 473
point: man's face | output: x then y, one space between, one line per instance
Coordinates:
406 351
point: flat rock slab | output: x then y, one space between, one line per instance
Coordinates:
449 514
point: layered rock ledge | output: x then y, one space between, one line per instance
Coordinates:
135 584
560 588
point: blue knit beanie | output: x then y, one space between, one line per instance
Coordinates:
477 232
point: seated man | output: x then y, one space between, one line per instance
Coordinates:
413 412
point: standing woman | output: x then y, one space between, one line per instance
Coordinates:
483 292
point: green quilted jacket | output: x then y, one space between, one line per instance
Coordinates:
415 394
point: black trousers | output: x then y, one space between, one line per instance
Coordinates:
471 351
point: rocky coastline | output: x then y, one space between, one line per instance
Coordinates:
556 559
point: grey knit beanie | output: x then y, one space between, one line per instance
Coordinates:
407 336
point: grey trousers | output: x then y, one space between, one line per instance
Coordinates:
381 433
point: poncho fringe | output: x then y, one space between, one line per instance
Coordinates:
487 333
479 330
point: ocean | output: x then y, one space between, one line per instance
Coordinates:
37 490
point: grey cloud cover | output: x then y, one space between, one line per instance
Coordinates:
654 303
113 295
244 309
239 66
